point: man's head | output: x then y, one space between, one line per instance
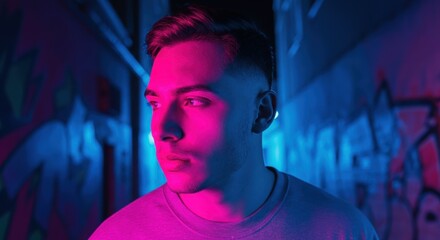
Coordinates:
244 43
210 93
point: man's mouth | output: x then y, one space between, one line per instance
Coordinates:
172 157
174 162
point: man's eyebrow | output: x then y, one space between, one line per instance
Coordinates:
182 90
194 88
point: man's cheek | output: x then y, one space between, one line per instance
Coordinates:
207 133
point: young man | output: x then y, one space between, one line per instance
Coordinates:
210 92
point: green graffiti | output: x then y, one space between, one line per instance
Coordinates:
4 220
36 235
65 94
15 83
2 61
2 67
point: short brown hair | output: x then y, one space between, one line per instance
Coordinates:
244 43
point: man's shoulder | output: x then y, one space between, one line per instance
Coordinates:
303 193
305 201
136 215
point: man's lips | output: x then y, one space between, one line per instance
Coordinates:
172 157
174 162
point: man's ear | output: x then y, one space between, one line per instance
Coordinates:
267 106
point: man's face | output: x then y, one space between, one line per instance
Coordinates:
202 116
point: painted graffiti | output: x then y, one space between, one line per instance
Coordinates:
385 160
52 134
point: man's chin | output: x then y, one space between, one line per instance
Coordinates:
183 188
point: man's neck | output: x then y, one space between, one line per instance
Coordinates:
239 198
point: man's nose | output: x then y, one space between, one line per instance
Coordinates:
169 125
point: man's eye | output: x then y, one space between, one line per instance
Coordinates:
154 104
196 102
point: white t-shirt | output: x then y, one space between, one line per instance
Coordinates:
294 210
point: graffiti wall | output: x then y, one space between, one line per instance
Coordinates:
64 124
368 128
